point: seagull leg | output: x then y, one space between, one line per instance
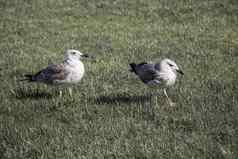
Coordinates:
70 92
171 103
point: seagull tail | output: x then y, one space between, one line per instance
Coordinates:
133 67
28 78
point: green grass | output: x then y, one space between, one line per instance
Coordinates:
111 114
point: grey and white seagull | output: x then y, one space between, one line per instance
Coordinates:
70 71
162 74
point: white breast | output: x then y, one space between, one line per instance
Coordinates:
76 72
168 78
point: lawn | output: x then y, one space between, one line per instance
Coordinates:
112 114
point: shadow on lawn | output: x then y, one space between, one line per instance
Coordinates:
23 93
122 98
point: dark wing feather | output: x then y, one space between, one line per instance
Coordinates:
147 72
51 73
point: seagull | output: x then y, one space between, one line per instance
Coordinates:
162 74
69 72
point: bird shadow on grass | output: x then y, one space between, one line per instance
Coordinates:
143 102
23 93
122 98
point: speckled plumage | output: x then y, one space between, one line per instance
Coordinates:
70 71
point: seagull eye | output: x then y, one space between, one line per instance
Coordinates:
73 53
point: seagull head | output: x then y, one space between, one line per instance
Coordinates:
171 65
74 54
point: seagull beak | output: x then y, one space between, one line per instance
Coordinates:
85 55
181 72
88 56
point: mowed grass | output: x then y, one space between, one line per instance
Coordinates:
112 114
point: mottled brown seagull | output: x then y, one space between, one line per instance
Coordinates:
70 71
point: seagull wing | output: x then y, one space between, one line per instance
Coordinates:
50 74
147 72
